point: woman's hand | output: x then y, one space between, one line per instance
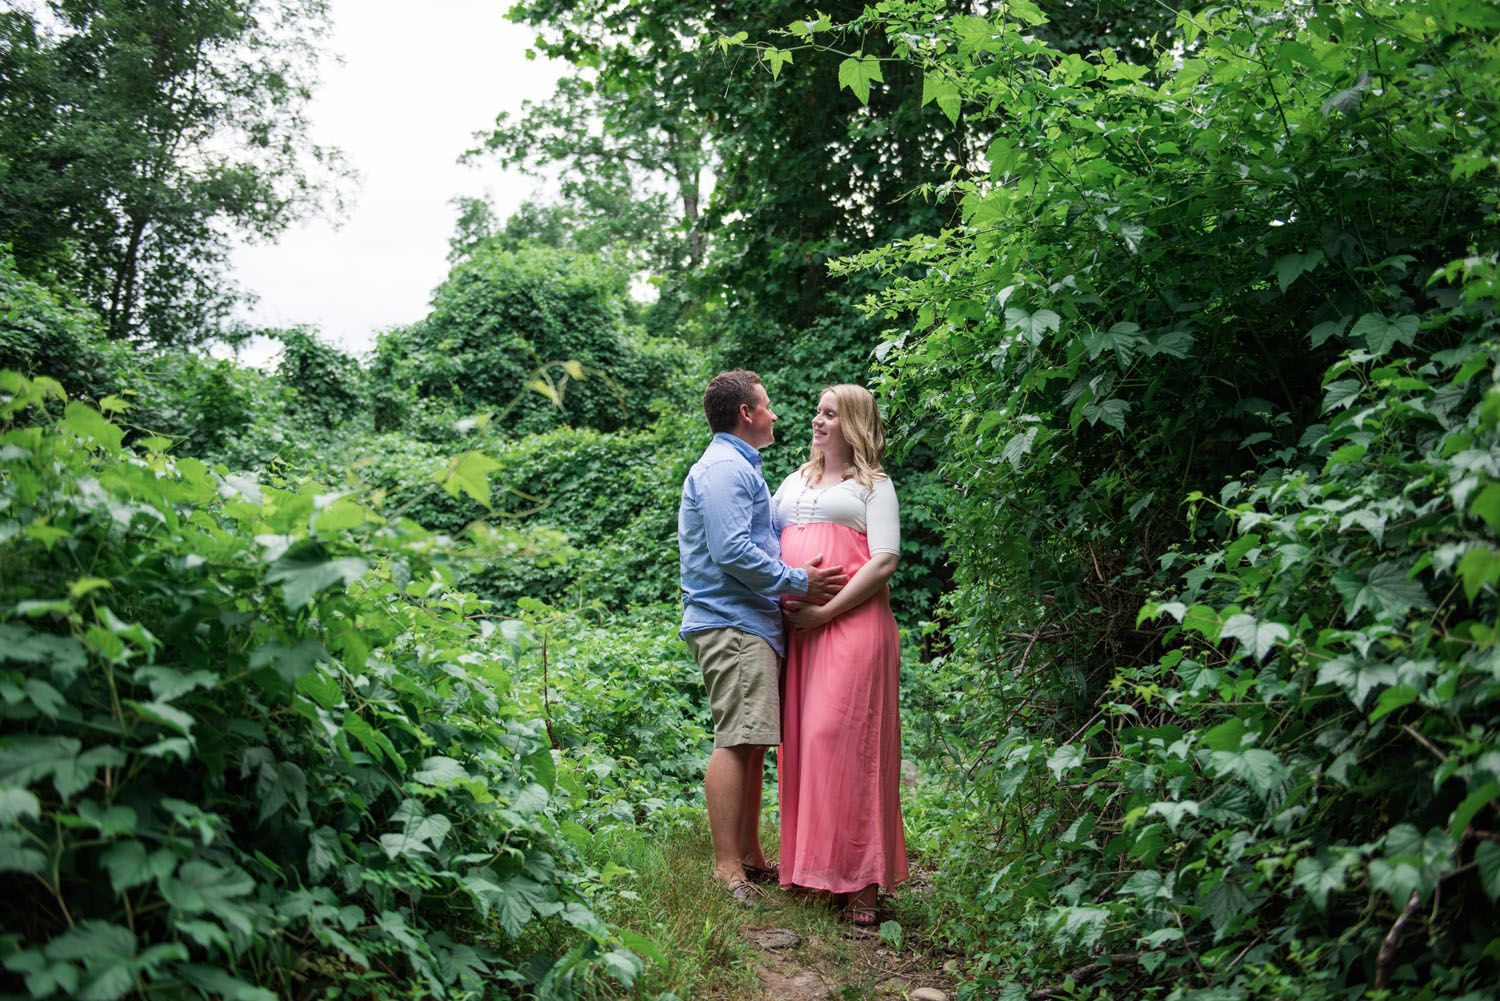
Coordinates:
805 616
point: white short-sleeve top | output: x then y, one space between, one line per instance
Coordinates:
872 510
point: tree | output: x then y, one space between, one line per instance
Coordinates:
134 134
800 175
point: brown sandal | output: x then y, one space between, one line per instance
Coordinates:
861 917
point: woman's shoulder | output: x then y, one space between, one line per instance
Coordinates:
790 480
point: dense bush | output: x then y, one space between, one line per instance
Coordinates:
504 321
1259 270
256 742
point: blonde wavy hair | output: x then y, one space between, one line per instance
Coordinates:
859 420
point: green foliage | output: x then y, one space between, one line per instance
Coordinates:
1170 277
133 135
257 742
327 384
502 322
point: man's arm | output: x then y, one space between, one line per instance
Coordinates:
726 503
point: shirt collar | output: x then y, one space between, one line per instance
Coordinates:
740 445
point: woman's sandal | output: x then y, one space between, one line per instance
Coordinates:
861 917
768 873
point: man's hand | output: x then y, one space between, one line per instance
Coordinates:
823 582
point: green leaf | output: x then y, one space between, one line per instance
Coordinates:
1478 567
303 572
1260 769
1173 812
1290 267
324 852
1064 759
129 865
1223 904
943 90
1256 638
1032 326
1382 333
1392 699
17 803
1472 804
220 983
776 59
857 72
437 770
87 423
1486 504
470 474
1487 861
374 741
1340 394
19 854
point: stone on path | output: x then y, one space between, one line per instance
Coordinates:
802 985
927 994
772 938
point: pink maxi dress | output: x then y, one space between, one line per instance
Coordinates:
838 767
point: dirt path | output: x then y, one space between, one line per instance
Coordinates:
840 962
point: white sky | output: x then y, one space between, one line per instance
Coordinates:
416 82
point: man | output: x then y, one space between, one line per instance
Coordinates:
731 576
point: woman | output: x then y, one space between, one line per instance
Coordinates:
839 766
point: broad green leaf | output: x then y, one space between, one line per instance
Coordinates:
1381 333
17 803
857 73
221 984
1256 638
1064 759
469 473
18 853
1223 904
1173 812
1486 504
1260 769
1032 326
129 864
87 423
437 770
1392 699
1340 394
1487 861
1472 804
324 853
1290 267
303 572
1478 567
775 59
942 89
375 742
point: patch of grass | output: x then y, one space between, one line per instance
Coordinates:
663 892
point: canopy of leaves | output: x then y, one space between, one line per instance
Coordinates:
133 135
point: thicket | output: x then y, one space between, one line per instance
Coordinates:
1210 366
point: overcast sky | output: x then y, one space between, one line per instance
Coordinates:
416 82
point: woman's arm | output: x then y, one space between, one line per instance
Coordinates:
870 578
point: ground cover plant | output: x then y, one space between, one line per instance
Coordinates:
256 744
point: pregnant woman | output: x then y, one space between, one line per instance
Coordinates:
839 767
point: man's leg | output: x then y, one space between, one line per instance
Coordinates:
725 787
749 814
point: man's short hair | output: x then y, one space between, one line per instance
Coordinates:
726 392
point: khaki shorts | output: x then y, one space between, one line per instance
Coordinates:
743 677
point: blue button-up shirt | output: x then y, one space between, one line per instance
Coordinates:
730 545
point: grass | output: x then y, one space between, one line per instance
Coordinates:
665 895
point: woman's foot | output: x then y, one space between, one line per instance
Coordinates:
861 911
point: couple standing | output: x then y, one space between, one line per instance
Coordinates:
819 554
